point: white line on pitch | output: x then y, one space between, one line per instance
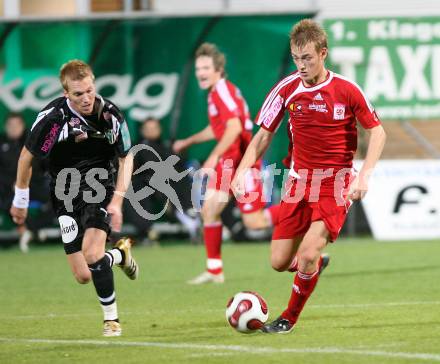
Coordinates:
232 348
210 354
349 305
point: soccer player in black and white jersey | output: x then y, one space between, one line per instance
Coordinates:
81 134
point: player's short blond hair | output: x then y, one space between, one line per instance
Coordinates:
211 50
308 31
75 70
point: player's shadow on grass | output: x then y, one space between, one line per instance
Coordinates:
196 330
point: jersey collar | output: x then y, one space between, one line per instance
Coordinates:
101 106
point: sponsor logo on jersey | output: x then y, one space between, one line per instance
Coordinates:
74 121
69 228
318 97
111 136
50 138
318 107
272 113
295 107
339 112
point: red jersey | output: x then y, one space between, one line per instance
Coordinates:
322 119
225 102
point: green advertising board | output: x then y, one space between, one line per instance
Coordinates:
146 65
396 61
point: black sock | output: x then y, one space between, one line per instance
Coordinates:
102 276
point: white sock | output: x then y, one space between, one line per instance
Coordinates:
110 312
214 263
114 256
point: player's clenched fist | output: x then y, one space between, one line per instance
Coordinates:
238 185
358 189
179 145
18 215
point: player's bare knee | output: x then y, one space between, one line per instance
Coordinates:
279 263
82 277
209 217
205 216
279 267
307 259
91 256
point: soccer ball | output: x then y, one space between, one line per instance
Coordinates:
247 312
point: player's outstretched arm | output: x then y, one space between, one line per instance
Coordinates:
20 203
255 150
359 187
197 138
122 182
232 132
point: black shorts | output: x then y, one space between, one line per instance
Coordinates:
74 223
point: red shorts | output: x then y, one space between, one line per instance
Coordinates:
296 216
253 200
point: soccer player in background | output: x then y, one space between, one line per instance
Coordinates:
11 143
323 109
83 132
230 125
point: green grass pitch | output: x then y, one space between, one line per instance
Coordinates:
375 303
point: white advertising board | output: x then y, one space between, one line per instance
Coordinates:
403 201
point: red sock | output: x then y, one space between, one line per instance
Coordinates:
273 213
213 243
303 286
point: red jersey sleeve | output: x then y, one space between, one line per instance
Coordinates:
272 112
225 103
362 108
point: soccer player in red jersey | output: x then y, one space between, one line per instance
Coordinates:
231 126
323 108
